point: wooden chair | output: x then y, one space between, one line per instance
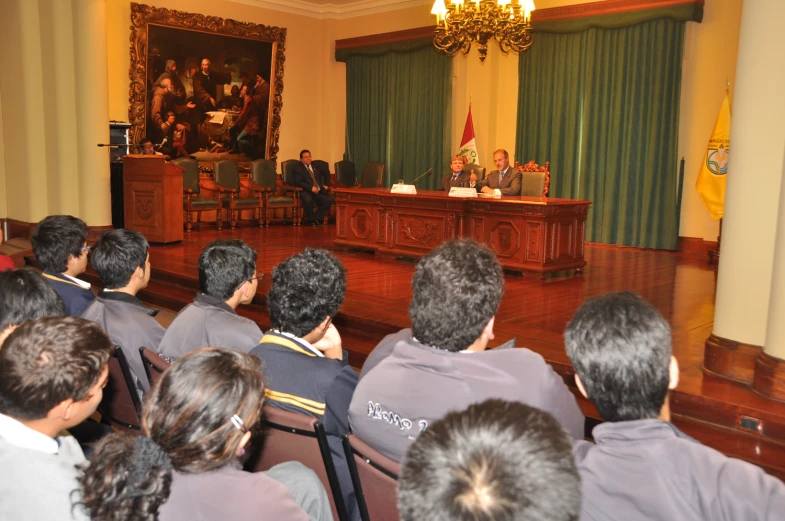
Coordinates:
227 179
375 479
296 437
192 194
287 174
478 170
121 405
536 179
263 174
346 174
372 174
154 365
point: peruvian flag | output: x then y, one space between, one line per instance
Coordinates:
468 147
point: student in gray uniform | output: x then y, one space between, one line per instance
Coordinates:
122 261
186 463
494 461
52 373
442 364
305 366
642 467
25 295
227 278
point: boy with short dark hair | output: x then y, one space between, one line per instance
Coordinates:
25 295
122 260
60 247
643 467
52 372
227 278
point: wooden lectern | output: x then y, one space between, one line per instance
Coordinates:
153 193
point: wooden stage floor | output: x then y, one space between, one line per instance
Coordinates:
534 311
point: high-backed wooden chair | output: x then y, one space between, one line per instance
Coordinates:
121 405
346 174
372 174
154 365
478 170
227 179
375 480
193 201
536 179
296 437
263 174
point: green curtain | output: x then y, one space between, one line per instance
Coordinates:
602 105
398 113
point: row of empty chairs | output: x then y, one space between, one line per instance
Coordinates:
288 437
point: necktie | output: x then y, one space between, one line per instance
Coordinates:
313 178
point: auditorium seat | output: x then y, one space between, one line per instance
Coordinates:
154 364
121 405
193 201
478 170
263 174
287 173
227 179
375 479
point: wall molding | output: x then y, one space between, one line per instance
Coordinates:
604 8
335 11
23 230
769 378
695 246
730 359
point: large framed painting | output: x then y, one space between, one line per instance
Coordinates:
205 86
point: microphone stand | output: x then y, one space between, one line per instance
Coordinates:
422 175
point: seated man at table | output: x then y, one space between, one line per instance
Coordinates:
227 278
314 190
505 180
60 247
442 364
642 466
456 176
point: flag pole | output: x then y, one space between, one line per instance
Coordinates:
715 253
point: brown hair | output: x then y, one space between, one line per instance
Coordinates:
48 360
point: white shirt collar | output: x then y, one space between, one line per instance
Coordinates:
83 284
16 433
301 341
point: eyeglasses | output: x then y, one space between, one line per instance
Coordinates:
258 276
87 248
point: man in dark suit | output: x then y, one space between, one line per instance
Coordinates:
456 177
505 180
314 190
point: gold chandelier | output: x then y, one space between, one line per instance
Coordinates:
459 24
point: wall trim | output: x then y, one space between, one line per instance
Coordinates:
335 11
23 230
604 8
769 378
730 359
695 246
385 38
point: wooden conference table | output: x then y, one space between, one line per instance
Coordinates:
533 234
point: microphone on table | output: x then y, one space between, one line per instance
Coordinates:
421 176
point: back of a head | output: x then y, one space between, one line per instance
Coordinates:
307 288
47 361
55 239
224 265
117 255
193 422
495 461
456 290
620 347
25 295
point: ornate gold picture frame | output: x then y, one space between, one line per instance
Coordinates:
239 53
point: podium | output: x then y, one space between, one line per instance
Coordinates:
153 197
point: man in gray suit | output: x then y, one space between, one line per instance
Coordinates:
505 180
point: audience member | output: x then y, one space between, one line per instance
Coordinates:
442 364
6 262
60 247
227 278
148 149
505 180
196 424
122 261
495 461
456 176
52 372
25 295
313 191
305 365
643 467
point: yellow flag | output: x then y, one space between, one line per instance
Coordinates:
714 169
